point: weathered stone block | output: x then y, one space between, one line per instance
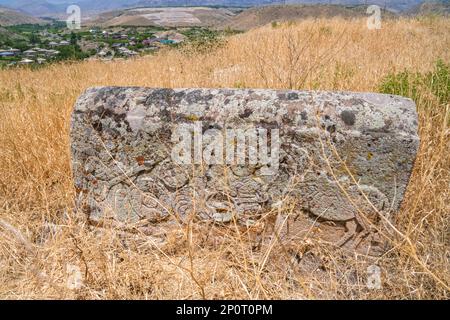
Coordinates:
147 156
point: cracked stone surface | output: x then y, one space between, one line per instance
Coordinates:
340 153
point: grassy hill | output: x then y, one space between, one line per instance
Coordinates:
259 16
8 35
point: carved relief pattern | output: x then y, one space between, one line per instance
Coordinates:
122 143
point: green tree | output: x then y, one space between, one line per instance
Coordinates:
34 38
73 39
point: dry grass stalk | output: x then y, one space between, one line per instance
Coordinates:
204 261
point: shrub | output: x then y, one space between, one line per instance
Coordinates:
409 84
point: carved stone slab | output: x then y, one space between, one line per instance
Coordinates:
144 155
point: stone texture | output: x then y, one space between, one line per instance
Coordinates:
341 154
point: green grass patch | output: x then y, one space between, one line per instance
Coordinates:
414 84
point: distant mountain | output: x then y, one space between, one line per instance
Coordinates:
51 7
102 5
432 7
10 17
395 5
218 3
36 8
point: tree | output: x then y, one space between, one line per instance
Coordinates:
73 39
34 38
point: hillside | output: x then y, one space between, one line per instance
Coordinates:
259 16
165 17
57 7
397 5
8 34
432 7
9 17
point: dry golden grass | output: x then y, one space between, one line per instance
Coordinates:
42 239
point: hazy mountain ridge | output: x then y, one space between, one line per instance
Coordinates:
12 17
48 7
441 7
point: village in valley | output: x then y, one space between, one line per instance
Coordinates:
43 44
